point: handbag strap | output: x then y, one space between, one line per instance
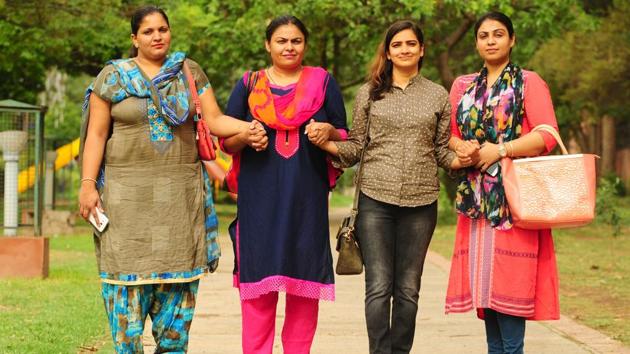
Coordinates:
252 78
359 174
193 90
551 130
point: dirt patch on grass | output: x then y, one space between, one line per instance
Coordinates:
94 347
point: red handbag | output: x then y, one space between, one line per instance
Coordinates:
205 143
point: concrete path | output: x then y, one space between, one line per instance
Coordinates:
341 329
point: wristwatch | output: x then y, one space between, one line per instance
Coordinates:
502 150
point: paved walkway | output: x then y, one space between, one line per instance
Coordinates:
216 327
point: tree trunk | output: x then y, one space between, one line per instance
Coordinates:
609 148
336 54
447 78
446 74
323 54
591 131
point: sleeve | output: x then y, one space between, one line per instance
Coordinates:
335 108
443 155
236 106
350 150
106 85
539 108
201 80
457 91
237 103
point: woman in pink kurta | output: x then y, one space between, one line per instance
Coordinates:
508 274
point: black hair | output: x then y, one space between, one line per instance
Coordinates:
381 72
285 20
496 16
136 19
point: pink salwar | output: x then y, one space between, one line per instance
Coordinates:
259 324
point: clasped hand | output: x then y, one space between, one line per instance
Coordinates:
318 133
471 153
256 136
467 152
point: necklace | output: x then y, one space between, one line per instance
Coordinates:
268 71
273 81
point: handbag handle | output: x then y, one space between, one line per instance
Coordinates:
193 90
359 175
551 130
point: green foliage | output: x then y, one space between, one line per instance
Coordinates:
227 37
587 68
63 131
75 35
447 214
609 191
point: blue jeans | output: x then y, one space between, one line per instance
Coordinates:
505 333
394 242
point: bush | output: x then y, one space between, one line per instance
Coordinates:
446 208
610 189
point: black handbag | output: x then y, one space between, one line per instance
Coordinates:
350 260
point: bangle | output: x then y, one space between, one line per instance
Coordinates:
511 152
88 179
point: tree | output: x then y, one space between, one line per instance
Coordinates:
226 37
591 93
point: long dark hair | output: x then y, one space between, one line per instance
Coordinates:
285 20
380 76
136 19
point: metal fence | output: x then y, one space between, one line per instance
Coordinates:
21 166
62 176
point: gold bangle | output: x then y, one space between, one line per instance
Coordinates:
511 149
88 179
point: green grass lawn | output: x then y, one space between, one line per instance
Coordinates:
594 269
60 314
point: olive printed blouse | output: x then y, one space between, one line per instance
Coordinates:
408 139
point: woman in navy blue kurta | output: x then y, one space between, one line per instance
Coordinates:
283 207
281 235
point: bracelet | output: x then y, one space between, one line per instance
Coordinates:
511 152
88 179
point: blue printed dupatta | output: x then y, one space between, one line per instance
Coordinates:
167 108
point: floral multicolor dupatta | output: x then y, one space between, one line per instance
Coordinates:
493 115
289 111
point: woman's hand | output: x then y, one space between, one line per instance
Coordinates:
488 154
467 152
256 136
318 133
89 200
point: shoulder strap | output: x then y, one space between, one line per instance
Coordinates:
193 90
252 78
359 174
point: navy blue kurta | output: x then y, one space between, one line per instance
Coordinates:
283 239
